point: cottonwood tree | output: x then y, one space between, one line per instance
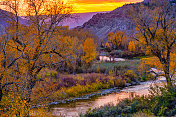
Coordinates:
74 45
90 53
131 46
156 30
44 17
9 50
12 16
25 50
117 39
71 44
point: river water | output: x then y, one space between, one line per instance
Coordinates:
74 109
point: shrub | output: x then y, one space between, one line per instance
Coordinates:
66 86
128 80
111 73
98 69
130 74
143 78
120 82
39 76
53 73
47 74
161 101
150 77
141 114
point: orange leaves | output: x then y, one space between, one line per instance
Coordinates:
173 63
15 104
131 46
89 50
116 38
147 63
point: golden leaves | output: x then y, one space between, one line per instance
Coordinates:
89 50
116 38
155 62
15 104
131 46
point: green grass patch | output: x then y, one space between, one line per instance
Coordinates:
142 57
120 66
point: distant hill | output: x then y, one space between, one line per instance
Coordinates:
103 23
77 19
4 19
147 1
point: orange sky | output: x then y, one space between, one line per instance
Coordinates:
82 6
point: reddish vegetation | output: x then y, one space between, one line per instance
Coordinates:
61 86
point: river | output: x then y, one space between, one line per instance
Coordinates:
74 109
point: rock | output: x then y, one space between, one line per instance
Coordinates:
138 82
53 103
156 72
128 84
64 101
133 83
161 78
153 74
159 75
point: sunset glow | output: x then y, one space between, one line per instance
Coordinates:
82 6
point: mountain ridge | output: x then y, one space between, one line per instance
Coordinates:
103 23
117 20
77 19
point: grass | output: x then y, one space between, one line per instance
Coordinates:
120 66
141 57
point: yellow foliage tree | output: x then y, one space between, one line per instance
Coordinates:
116 39
131 46
26 50
155 24
89 50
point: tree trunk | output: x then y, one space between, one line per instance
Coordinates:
0 94
167 75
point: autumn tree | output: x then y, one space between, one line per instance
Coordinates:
131 46
156 26
9 49
44 16
71 46
89 51
26 50
116 39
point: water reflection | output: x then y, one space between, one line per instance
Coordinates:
76 108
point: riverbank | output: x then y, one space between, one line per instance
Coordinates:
89 96
82 106
155 100
55 86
